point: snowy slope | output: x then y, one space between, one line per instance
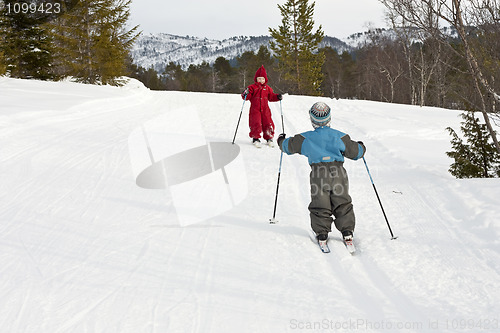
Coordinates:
84 249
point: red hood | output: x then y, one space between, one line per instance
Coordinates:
260 72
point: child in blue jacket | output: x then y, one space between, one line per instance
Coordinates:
325 149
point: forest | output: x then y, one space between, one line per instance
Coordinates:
386 68
82 39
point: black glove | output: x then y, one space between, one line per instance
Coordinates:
281 137
280 97
244 93
362 145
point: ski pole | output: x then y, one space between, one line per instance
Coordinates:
273 220
380 202
241 112
282 122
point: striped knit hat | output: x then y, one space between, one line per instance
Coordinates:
320 115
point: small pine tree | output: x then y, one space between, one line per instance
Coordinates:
296 47
477 158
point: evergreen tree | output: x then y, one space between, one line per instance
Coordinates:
348 78
174 76
222 66
3 67
198 78
149 77
3 40
263 57
26 47
247 62
332 71
94 42
477 158
296 47
222 75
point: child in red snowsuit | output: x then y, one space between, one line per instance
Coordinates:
259 94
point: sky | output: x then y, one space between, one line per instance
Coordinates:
220 19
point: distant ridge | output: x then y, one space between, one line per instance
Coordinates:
157 50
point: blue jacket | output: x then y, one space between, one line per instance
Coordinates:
324 144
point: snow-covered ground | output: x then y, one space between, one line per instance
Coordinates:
83 248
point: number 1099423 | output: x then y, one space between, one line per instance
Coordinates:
43 8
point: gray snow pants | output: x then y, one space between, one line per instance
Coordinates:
330 196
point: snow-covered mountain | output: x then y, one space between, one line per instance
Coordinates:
157 50
361 39
89 244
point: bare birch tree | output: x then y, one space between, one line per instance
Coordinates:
461 15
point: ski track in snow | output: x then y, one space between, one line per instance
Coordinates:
84 249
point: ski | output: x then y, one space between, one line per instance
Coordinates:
270 143
349 245
323 246
257 144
